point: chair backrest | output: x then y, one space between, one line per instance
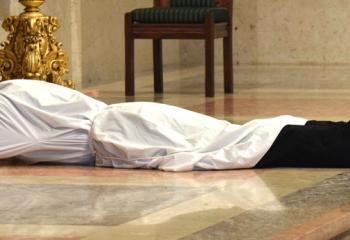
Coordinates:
162 3
218 3
194 3
226 4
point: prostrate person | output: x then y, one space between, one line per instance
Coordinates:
43 122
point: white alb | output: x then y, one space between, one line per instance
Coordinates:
43 122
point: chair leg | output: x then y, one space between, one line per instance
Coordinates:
209 56
129 57
228 63
158 65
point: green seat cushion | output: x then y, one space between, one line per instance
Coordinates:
179 15
193 3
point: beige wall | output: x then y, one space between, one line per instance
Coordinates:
266 32
103 41
299 31
93 35
312 32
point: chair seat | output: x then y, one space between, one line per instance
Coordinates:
179 15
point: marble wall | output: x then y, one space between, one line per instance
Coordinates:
287 32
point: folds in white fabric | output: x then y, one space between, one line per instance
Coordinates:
151 135
43 122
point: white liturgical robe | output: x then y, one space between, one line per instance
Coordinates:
153 135
43 122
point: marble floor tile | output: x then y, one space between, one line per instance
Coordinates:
331 195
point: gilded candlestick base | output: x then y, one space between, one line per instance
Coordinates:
31 51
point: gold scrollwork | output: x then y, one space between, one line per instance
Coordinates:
31 50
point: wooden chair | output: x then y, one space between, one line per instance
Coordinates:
207 27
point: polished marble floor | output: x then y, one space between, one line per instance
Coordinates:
260 92
72 202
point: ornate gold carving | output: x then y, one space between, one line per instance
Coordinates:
31 51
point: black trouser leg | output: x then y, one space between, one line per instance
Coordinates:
317 144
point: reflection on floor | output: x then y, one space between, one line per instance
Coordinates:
70 202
